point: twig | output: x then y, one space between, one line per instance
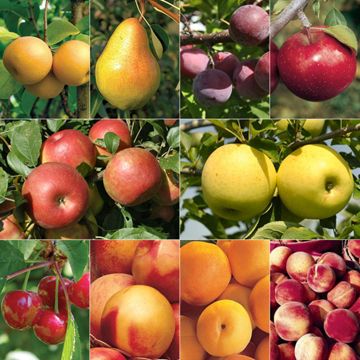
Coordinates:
191 172
142 10
304 19
194 125
65 104
45 20
336 133
32 17
209 39
175 17
30 268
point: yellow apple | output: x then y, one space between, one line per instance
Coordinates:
312 126
315 182
238 182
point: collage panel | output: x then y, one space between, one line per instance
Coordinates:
135 59
44 291
81 179
45 59
315 59
270 179
225 60
134 301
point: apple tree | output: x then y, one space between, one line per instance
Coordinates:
283 179
44 51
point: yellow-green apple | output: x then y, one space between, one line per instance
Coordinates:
174 349
70 147
165 213
96 202
28 59
169 122
101 290
132 176
11 229
138 320
169 191
229 173
105 354
57 195
47 88
315 182
156 263
112 256
116 126
75 231
312 126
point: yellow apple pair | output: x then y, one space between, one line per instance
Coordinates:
314 182
30 61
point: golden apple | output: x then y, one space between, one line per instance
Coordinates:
312 126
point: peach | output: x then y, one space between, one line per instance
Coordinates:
311 347
319 309
341 351
138 320
354 247
205 272
249 260
262 350
274 338
298 264
112 256
277 277
224 328
343 295
353 278
240 294
273 303
355 308
190 348
156 263
311 295
335 261
101 290
278 258
105 354
292 321
321 278
341 325
286 352
174 349
259 303
290 290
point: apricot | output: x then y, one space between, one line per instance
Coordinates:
354 247
105 354
224 328
298 264
321 278
259 303
249 260
238 357
335 261
101 290
286 351
341 351
205 272
190 348
343 295
290 290
138 320
156 263
353 278
278 258
224 245
311 347
262 350
341 325
112 256
47 88
292 321
319 309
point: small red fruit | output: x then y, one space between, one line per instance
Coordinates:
105 354
19 308
79 292
47 288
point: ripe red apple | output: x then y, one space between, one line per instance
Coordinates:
57 195
11 229
132 176
315 66
70 147
192 61
116 126
169 191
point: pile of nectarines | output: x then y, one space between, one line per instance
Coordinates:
225 300
315 303
134 310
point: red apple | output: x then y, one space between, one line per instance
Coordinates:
132 176
70 147
116 126
169 191
315 66
57 195
11 229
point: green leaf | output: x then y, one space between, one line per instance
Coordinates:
72 343
19 8
4 181
173 137
273 230
343 34
299 233
161 35
279 6
77 252
170 163
6 35
8 85
139 233
17 165
60 29
11 259
335 17
55 125
25 247
112 142
2 284
127 218
157 46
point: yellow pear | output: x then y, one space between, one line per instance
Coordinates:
28 59
127 74
47 88
72 63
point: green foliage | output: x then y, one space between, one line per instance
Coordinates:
266 137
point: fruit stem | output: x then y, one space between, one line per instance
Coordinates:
58 273
57 295
26 280
28 269
45 20
32 17
306 23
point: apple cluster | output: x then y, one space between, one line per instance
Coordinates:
214 80
315 302
134 299
30 61
23 309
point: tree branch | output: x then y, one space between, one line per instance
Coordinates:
64 103
208 39
45 20
175 17
30 268
32 17
194 124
